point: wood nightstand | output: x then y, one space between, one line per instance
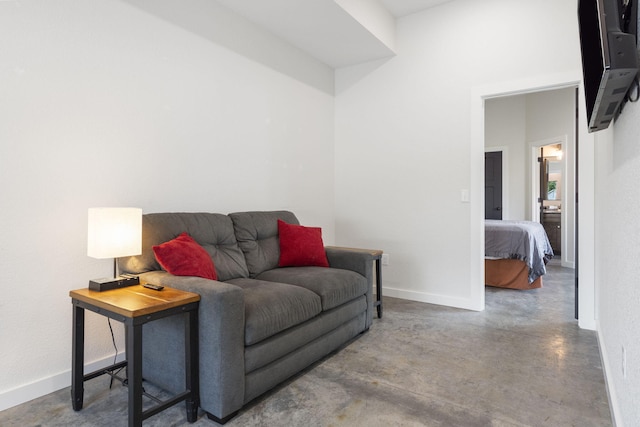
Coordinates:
134 306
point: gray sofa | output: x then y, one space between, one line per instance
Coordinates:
258 324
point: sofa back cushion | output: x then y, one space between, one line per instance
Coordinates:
257 236
214 232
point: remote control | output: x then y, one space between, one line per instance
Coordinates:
154 287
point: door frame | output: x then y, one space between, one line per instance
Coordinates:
585 176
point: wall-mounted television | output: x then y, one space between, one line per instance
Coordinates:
609 57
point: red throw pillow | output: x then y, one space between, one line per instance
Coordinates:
183 256
301 246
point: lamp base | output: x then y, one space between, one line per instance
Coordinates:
108 283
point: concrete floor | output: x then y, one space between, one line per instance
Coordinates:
521 362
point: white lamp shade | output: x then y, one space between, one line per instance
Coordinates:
114 232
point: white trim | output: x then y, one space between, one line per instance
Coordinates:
535 184
464 303
44 386
614 402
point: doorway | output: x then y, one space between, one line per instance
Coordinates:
493 185
541 167
551 193
583 171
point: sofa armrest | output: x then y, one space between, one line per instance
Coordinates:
360 261
221 336
355 259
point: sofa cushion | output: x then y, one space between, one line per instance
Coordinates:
257 235
272 307
277 346
183 256
301 246
214 232
333 285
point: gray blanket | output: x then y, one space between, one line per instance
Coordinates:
523 240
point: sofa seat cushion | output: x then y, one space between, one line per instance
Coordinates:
333 285
272 307
273 348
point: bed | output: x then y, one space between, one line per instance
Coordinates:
516 254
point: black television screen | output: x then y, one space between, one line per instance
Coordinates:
609 57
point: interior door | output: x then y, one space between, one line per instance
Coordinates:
493 185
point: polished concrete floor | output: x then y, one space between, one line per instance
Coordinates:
521 362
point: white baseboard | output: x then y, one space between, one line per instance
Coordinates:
44 386
614 404
463 303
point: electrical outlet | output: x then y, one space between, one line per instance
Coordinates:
624 363
385 259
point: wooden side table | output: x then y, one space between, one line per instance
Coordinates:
377 257
134 306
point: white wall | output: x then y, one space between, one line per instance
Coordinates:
505 130
617 243
106 104
404 143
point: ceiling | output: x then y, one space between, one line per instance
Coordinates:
324 29
400 8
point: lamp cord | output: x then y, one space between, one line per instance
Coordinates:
115 357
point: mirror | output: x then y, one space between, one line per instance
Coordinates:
554 180
551 176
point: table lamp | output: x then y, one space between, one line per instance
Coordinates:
113 233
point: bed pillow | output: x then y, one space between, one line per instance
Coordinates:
183 256
301 246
